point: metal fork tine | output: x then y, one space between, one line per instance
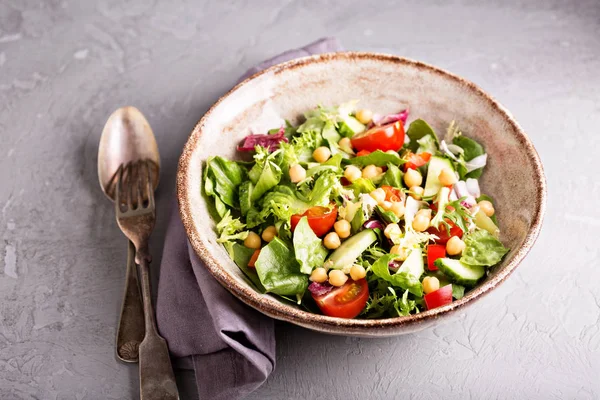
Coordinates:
149 186
130 186
140 193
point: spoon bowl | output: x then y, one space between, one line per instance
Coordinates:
126 138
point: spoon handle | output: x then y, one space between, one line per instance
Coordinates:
131 330
157 381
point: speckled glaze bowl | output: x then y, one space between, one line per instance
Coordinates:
514 176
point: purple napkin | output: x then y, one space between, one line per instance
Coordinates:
230 346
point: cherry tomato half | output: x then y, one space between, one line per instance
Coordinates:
439 298
320 219
384 138
391 194
414 161
346 301
442 232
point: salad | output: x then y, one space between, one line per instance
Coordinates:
351 215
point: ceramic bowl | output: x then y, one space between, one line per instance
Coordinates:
514 176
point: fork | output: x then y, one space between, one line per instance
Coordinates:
136 215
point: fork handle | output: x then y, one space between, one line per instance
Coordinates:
131 330
157 380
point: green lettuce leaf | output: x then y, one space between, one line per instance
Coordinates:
281 203
417 130
471 149
361 185
403 279
427 143
266 173
332 137
387 216
386 303
309 249
482 249
392 177
230 229
306 143
378 158
269 178
222 178
319 195
245 195
458 291
278 270
241 256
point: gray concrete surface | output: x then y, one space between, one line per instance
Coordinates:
66 64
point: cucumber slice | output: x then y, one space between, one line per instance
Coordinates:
413 264
459 272
350 126
436 165
348 252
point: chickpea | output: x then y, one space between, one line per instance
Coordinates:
393 152
430 284
412 177
352 173
342 228
399 251
269 233
379 170
391 229
378 195
369 172
397 208
357 272
386 205
426 212
487 207
417 192
447 177
332 241
321 154
318 275
337 277
297 173
344 143
252 241
455 246
364 116
421 223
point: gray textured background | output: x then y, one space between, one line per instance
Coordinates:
66 65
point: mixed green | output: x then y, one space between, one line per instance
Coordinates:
350 215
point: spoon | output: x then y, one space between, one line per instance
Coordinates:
127 137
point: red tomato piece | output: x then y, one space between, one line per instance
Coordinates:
363 153
435 251
346 301
442 232
252 262
414 161
439 298
384 138
391 194
320 219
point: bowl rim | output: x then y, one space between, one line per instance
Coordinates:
277 309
